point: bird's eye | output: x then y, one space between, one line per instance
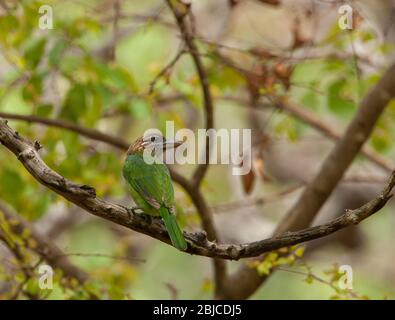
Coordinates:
152 139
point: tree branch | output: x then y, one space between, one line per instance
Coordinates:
85 197
188 37
323 127
320 188
83 131
165 70
316 123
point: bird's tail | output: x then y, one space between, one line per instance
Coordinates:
175 233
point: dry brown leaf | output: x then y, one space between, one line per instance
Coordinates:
259 166
299 39
248 181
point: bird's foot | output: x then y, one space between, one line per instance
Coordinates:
134 211
201 236
139 212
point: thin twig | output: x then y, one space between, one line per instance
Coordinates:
188 37
83 131
258 201
165 71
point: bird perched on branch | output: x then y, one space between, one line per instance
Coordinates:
150 183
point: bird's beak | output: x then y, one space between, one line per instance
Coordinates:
168 144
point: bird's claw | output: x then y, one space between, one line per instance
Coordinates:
133 211
140 212
201 236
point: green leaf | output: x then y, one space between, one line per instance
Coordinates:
309 279
35 52
103 94
75 102
44 110
69 64
140 108
287 127
264 268
299 252
283 261
267 264
381 140
12 182
310 99
337 102
8 24
33 88
116 77
225 78
56 52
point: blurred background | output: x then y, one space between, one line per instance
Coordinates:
283 68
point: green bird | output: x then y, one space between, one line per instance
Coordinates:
150 183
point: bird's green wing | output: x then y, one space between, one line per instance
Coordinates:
151 181
152 185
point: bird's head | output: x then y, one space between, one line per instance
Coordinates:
153 142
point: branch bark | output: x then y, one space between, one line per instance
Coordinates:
198 244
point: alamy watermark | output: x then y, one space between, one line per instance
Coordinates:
46 19
345 21
346 280
235 147
45 280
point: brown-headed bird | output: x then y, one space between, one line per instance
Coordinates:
150 183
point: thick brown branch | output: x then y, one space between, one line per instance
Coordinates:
85 197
